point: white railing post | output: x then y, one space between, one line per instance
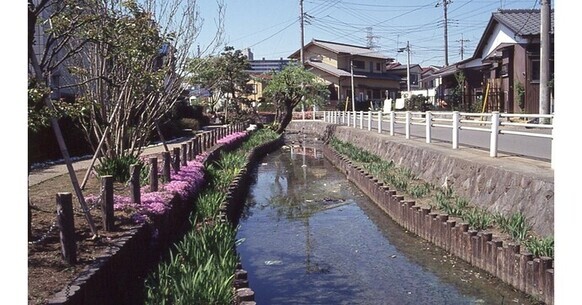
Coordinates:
354 118
348 114
369 120
407 127
343 114
324 116
380 121
303 113
428 118
494 133
456 120
392 119
361 119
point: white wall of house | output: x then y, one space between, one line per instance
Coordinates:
502 34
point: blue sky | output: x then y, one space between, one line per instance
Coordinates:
271 28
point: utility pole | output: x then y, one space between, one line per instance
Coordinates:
407 49
444 4
353 93
302 31
462 41
545 24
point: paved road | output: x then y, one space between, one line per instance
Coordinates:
515 145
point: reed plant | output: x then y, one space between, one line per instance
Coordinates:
200 268
540 246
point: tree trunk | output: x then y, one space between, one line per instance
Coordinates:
286 120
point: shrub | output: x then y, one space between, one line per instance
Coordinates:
188 123
118 167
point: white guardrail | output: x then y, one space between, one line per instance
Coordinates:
494 123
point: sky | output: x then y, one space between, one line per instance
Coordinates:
271 28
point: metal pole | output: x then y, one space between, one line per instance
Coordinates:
408 68
545 59
353 92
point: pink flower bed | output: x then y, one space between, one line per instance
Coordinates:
232 137
184 183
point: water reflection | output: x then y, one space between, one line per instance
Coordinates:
311 237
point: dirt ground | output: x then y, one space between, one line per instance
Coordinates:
47 271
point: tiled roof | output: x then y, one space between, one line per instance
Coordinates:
343 48
522 21
342 73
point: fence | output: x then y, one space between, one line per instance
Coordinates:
494 123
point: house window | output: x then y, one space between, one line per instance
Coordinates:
359 64
534 75
414 79
378 66
250 89
504 72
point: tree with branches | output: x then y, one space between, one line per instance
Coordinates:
291 87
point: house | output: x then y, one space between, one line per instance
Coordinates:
402 71
333 63
503 73
260 72
510 53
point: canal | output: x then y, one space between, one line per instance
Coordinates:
309 236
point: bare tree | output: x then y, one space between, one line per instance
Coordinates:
133 71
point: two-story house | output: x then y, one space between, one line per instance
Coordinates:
504 71
334 62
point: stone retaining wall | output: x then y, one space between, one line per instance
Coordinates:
533 276
505 184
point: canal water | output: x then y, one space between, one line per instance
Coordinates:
309 236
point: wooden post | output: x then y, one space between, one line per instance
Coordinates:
190 150
176 163
199 142
184 160
107 202
67 227
167 160
154 174
134 170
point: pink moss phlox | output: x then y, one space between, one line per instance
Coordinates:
187 180
184 183
232 137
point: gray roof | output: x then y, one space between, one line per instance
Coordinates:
342 73
342 48
522 21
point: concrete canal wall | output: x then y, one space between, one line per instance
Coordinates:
505 184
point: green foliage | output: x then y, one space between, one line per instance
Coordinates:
478 219
417 103
200 269
118 167
292 86
515 225
420 190
520 95
540 246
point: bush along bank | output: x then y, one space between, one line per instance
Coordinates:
204 268
502 246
